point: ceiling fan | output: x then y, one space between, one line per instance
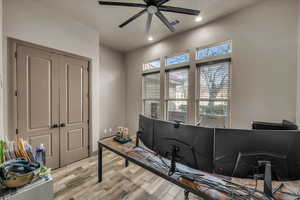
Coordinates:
153 7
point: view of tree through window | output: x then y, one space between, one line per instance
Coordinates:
178 94
214 92
151 95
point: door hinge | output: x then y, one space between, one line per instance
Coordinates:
16 93
88 121
17 131
88 147
16 55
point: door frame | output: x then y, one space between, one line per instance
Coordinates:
12 45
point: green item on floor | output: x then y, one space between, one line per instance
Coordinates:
2 146
44 171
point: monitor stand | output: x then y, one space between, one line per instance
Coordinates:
267 177
137 141
172 169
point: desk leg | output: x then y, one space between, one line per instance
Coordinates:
126 163
100 163
186 195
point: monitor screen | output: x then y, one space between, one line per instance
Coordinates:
195 144
237 153
146 130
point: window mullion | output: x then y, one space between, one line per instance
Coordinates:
192 88
162 88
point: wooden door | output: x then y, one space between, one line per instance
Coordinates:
38 100
73 110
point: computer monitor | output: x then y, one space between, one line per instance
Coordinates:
285 125
193 145
256 125
146 131
239 153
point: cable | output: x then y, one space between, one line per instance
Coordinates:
277 188
236 191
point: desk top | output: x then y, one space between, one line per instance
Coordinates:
152 162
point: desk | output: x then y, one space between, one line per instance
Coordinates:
139 157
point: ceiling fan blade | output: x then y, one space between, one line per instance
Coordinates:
165 21
110 3
149 21
133 18
161 2
179 10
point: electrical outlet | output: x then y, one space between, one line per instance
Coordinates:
1 82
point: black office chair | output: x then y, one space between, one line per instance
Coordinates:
285 125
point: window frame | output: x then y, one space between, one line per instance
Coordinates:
179 65
167 94
151 70
193 87
144 100
198 86
213 58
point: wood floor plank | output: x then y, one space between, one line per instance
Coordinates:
78 181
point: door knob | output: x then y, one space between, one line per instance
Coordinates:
54 126
62 125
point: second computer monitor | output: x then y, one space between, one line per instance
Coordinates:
238 153
194 144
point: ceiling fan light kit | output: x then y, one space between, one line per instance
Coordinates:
153 7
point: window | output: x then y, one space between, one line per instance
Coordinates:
214 94
222 49
151 65
193 86
177 95
182 58
151 95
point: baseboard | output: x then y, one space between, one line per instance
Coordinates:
94 153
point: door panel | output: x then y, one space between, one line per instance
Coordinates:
73 110
75 78
39 92
46 139
75 139
38 100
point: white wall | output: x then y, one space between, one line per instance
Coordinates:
264 70
298 83
1 70
30 21
112 87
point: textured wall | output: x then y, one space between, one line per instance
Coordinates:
298 83
112 87
1 70
264 71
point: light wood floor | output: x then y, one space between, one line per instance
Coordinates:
78 181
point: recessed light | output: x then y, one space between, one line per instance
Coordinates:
150 38
198 19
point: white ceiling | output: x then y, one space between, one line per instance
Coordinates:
107 18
